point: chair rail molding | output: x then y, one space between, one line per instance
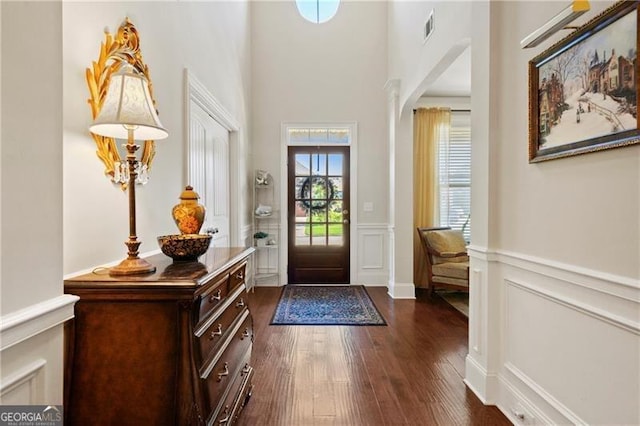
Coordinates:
607 283
25 323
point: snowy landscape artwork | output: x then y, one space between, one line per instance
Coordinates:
584 90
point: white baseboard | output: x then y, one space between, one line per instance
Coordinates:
401 290
483 384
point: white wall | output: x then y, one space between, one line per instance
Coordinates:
332 72
555 280
591 213
211 39
31 154
32 306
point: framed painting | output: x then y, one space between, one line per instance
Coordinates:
583 91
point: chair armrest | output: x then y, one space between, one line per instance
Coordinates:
449 254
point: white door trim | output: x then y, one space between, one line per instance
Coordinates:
197 92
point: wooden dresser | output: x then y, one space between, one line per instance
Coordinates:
168 348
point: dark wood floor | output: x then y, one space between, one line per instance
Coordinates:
407 373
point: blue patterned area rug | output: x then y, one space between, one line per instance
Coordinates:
326 305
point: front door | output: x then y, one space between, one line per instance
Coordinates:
318 215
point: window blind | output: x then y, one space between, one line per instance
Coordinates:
454 168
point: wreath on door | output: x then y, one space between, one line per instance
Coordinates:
306 191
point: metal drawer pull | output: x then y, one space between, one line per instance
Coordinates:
245 333
224 420
246 369
239 276
240 303
224 372
217 332
215 297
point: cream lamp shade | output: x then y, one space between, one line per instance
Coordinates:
128 106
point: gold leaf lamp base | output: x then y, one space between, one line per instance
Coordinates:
132 266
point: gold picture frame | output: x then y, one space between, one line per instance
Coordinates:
583 91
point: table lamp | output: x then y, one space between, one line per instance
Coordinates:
128 111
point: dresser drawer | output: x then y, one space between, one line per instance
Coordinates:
221 372
213 297
246 389
218 328
239 392
237 276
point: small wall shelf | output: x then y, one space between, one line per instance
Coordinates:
266 218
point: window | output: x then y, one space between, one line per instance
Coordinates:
317 11
454 158
318 135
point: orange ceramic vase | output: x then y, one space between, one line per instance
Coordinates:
189 214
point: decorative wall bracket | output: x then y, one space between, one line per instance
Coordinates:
114 52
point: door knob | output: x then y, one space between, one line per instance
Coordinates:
345 212
346 221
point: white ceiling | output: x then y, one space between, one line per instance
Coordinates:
455 80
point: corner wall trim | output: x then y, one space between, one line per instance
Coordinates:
483 384
32 320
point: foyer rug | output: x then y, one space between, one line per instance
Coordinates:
326 305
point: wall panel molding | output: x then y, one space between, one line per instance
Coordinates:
26 382
372 259
476 337
377 226
515 376
603 315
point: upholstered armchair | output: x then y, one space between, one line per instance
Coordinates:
447 260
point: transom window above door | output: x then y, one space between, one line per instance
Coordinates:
317 11
318 136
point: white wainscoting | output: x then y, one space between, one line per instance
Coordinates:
371 265
568 345
25 386
31 352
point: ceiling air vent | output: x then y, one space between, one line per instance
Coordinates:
428 27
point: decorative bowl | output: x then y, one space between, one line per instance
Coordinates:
184 247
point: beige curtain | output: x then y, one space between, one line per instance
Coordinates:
429 125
